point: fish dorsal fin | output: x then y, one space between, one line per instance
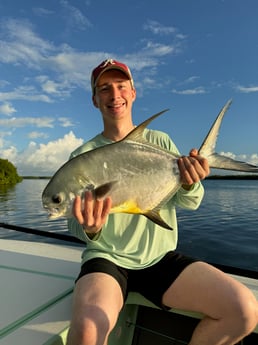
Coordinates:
137 133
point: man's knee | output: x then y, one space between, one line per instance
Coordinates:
247 313
93 328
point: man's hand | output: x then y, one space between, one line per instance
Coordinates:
92 213
193 168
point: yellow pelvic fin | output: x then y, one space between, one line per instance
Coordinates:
130 206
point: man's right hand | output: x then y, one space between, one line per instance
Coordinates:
92 213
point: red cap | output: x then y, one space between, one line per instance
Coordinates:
106 66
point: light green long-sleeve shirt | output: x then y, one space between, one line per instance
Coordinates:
133 241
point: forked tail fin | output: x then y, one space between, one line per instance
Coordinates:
215 160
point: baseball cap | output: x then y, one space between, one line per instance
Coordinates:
107 65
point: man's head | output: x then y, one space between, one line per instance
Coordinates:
107 65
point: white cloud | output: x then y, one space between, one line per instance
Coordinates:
251 159
42 159
27 121
50 87
159 49
254 159
75 18
65 122
10 153
36 135
157 28
195 91
69 69
28 93
22 45
190 80
54 88
42 12
246 89
7 109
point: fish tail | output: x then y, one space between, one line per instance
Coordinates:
215 160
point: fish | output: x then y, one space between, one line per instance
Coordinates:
139 176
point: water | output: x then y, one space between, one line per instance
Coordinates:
223 230
21 205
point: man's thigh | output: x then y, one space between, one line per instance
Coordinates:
203 288
97 291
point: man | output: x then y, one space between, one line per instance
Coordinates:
130 253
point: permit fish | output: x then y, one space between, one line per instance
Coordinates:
140 177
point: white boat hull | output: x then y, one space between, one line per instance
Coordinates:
37 281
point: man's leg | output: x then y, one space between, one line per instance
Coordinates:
230 309
97 302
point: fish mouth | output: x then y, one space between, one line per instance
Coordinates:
53 213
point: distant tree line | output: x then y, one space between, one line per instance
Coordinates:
8 173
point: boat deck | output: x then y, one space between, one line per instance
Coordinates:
37 281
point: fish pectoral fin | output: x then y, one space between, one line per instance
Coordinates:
103 190
155 217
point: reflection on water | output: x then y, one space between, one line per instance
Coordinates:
22 206
223 230
5 190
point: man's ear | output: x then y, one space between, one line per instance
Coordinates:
134 94
94 101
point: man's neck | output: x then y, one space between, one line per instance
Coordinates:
116 133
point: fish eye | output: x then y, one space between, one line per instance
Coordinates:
57 199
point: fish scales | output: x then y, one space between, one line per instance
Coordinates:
136 177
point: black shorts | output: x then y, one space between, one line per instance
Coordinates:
151 282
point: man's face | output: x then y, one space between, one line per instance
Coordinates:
114 94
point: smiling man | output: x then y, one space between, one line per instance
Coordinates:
126 252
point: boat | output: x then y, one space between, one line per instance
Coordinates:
37 280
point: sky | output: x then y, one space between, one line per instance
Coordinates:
188 56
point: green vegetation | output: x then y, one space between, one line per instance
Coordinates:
8 173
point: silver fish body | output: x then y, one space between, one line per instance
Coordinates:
139 177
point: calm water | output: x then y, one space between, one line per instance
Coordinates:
223 230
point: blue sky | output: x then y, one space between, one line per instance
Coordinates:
188 56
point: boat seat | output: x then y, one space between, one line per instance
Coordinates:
137 299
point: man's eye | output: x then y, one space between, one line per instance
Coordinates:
103 88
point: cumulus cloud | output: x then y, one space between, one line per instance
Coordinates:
10 153
42 159
251 159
